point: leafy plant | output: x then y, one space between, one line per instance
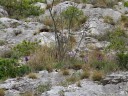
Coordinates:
10 68
7 68
126 4
24 49
21 8
122 60
118 40
72 16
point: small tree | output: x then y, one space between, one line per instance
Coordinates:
66 20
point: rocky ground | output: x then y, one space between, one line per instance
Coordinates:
114 84
14 31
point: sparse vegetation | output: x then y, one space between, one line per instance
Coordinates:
21 8
97 75
42 88
2 92
32 75
66 53
85 74
109 20
25 48
65 72
27 94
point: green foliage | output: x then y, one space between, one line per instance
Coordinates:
24 49
84 1
21 8
106 66
73 16
118 40
122 60
22 70
10 68
126 4
2 42
7 68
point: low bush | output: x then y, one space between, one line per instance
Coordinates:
10 68
25 48
2 92
73 17
65 72
32 75
21 8
106 66
97 76
43 58
7 68
122 60
23 70
126 4
85 74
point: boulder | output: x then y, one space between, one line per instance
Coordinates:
3 13
40 5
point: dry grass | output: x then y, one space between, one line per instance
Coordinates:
43 58
109 20
65 72
32 75
97 76
85 74
48 21
77 66
2 92
49 68
78 84
27 94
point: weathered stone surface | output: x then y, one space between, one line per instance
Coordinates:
3 13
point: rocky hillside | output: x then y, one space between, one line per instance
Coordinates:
83 45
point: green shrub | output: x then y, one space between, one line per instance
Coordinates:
21 8
73 17
7 68
10 68
122 60
24 49
118 40
126 4
106 66
22 70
